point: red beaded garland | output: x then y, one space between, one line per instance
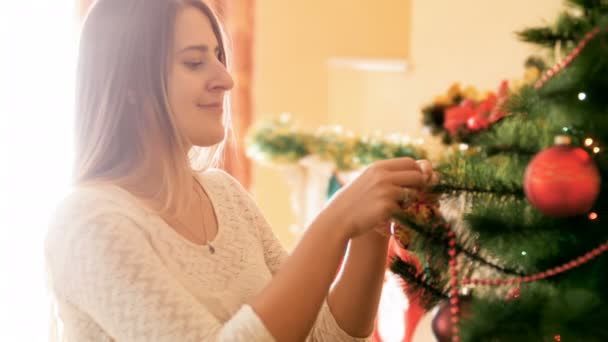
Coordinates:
561 65
545 274
454 302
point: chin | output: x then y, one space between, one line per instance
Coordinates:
209 139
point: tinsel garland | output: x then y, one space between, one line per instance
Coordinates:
280 141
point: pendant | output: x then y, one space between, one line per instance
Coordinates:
211 249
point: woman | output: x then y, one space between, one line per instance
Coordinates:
154 245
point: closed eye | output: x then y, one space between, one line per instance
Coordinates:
193 65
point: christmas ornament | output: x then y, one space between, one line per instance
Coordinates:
457 116
442 325
422 208
476 115
477 123
402 235
562 181
497 112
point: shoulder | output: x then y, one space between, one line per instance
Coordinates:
86 202
86 225
219 177
84 208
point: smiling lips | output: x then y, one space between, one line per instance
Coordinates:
216 107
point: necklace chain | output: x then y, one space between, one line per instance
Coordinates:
209 245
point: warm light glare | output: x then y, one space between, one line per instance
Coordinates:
596 150
588 142
285 117
582 96
36 95
393 303
593 216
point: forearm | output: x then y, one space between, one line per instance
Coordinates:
289 305
355 296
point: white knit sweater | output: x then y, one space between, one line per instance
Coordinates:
120 273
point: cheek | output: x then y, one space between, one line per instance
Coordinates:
183 90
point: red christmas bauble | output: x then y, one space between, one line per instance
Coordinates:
442 322
477 123
562 181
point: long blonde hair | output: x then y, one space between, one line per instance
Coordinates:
125 132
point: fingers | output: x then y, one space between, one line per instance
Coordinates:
398 164
407 172
434 179
409 164
426 168
431 177
399 197
408 179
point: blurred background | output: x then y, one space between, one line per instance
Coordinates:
368 66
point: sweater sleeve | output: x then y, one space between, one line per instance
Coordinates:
326 328
106 267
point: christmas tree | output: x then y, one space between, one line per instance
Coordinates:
512 243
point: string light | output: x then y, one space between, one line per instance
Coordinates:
588 142
582 96
593 216
596 149
524 253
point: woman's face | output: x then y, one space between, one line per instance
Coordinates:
197 81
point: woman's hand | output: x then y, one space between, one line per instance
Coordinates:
385 229
431 177
373 197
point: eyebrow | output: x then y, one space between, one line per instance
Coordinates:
201 48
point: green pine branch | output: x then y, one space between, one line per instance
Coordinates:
517 134
542 312
500 174
589 5
427 294
499 223
585 72
499 214
431 244
567 30
570 27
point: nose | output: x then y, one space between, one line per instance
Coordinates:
222 81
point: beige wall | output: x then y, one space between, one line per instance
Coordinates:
442 41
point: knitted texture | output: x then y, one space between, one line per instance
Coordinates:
118 272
